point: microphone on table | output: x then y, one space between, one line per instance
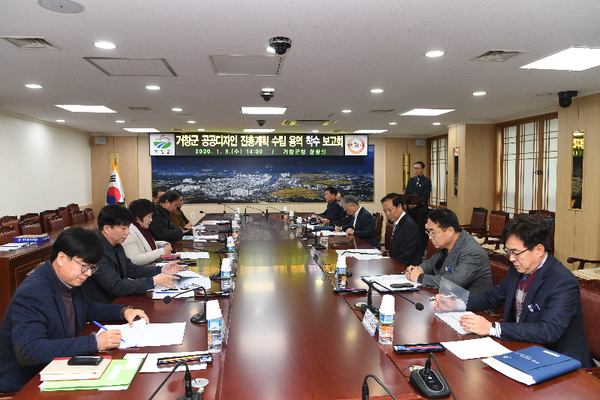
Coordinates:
418 306
369 304
198 318
168 299
428 383
190 394
225 205
365 387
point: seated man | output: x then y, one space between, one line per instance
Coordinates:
177 216
541 298
49 309
162 227
459 258
345 219
117 275
405 244
334 211
140 247
156 193
363 223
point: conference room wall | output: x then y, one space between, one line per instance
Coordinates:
578 231
44 165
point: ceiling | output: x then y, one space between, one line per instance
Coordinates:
341 49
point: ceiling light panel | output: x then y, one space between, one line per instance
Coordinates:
142 130
571 59
371 131
427 112
86 109
263 110
259 130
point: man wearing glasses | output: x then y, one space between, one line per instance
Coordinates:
541 298
49 309
459 257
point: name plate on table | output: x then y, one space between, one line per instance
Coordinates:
370 322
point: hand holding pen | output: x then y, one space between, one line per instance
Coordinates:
108 338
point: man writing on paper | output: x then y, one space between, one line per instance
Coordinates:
459 257
162 227
334 211
405 243
363 223
117 275
50 308
541 298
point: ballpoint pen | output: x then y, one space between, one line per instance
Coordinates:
103 327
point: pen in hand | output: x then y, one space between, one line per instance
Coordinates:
103 327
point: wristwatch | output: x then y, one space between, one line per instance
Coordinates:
123 311
493 329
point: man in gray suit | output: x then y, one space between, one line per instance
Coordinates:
459 257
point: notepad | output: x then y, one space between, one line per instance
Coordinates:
60 370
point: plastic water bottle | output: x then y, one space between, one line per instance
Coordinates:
386 319
285 214
235 229
226 268
215 326
341 272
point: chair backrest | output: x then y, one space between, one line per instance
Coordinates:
378 225
389 227
30 216
64 213
7 234
443 204
479 218
499 264
10 220
30 227
430 249
89 214
76 217
590 304
44 219
72 207
549 218
498 220
55 223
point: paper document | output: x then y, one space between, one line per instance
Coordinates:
215 222
330 233
154 334
361 254
475 348
452 320
150 363
205 238
193 255
190 280
388 280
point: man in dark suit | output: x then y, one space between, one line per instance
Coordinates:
162 227
334 211
421 186
345 219
405 244
541 298
363 223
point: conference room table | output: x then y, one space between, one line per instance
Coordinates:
290 336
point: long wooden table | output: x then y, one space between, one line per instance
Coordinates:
291 337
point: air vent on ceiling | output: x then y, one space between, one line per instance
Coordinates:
308 122
139 108
246 65
498 55
383 111
184 115
339 131
30 43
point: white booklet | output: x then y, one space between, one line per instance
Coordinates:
475 348
154 334
452 320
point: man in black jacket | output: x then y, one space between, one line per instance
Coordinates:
405 244
363 223
334 211
162 227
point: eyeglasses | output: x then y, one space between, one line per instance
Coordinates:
514 254
432 234
86 268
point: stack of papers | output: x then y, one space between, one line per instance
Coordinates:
117 376
215 222
154 334
205 238
13 246
452 320
193 255
191 280
361 254
388 280
475 348
60 370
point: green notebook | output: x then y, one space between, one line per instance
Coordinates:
118 373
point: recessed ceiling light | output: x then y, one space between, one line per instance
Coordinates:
177 109
544 94
141 130
427 112
120 121
105 45
200 130
376 90
259 130
88 109
370 131
264 110
479 93
315 131
393 123
436 123
346 111
33 86
191 122
61 120
435 53
571 59
153 87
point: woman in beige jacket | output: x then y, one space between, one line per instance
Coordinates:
139 246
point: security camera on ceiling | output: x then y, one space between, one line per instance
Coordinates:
267 94
564 98
260 122
280 44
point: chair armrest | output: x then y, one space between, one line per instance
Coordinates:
581 261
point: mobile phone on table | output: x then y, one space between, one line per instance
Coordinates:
418 348
85 360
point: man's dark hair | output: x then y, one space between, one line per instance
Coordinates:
156 190
79 242
445 218
397 200
530 229
349 199
142 207
114 214
420 163
170 196
331 190
341 192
